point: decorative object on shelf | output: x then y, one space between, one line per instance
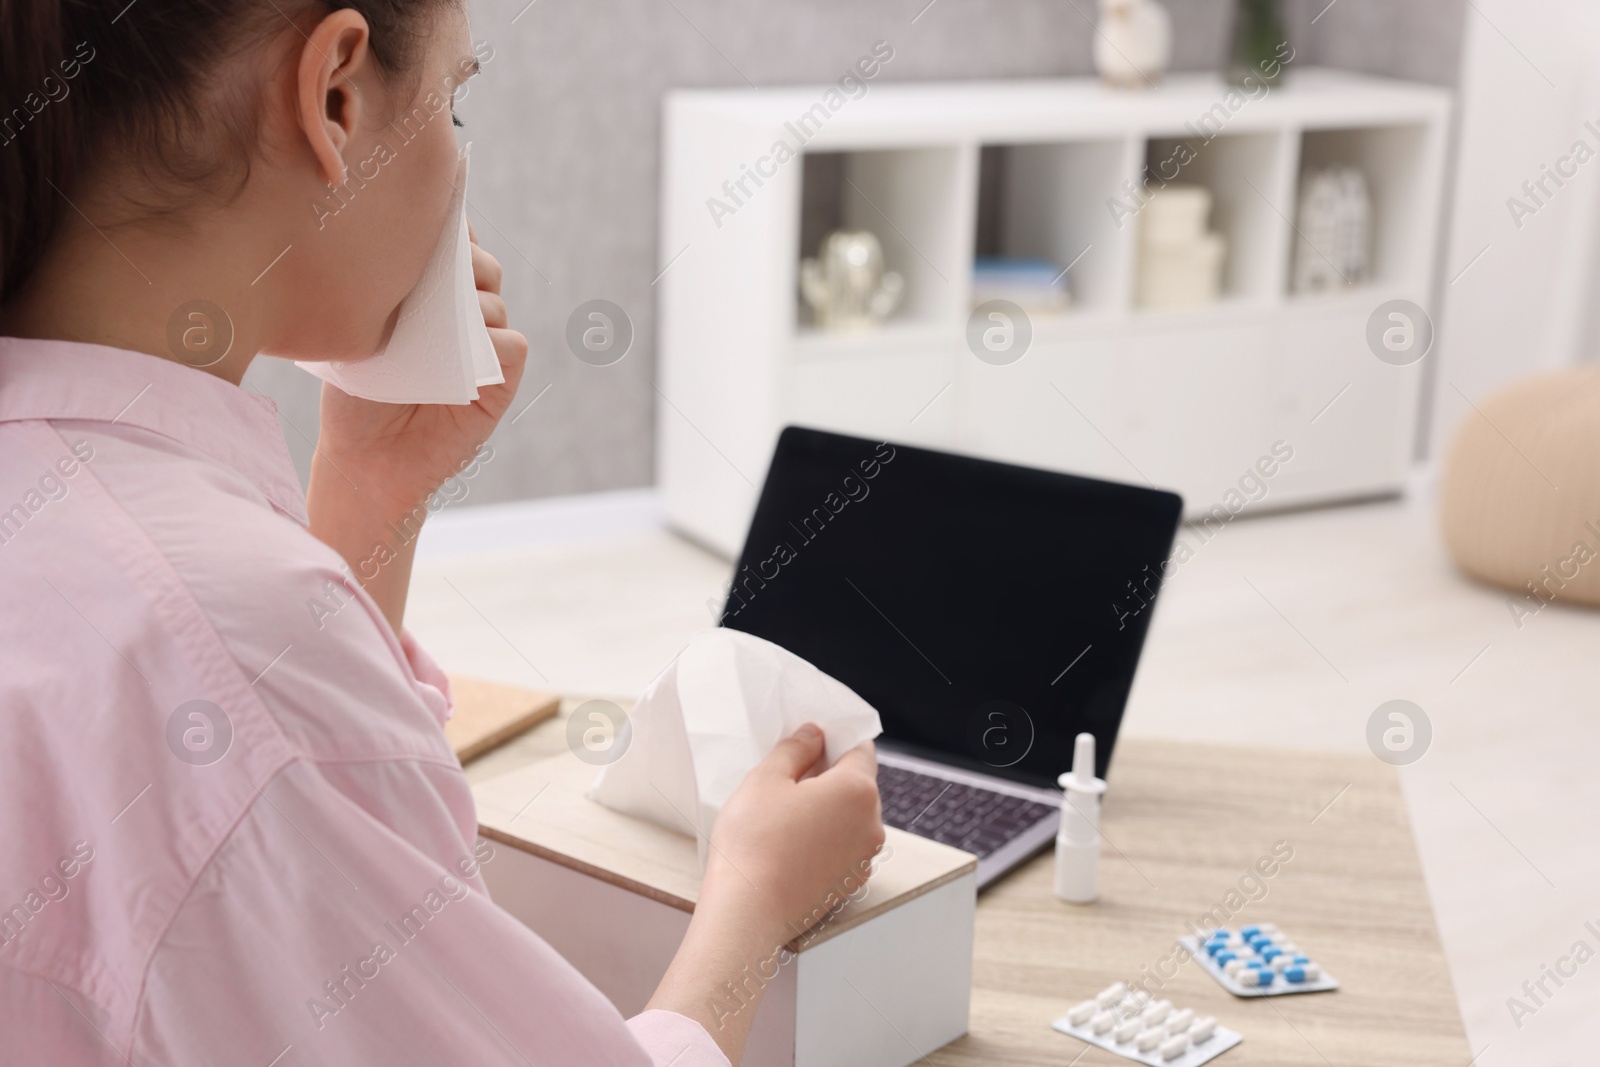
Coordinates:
846 286
1258 39
1180 261
1037 286
1335 230
1133 43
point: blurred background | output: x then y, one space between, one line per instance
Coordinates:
567 146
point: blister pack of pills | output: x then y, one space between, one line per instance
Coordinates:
1152 1032
1258 961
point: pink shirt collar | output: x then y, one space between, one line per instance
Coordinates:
98 383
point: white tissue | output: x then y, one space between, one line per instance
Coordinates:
439 351
714 713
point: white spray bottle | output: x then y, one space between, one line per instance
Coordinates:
1078 840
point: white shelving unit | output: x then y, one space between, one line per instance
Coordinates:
1186 399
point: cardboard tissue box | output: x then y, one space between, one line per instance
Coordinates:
884 981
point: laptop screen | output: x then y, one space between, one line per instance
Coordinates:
989 612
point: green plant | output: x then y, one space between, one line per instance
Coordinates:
1258 35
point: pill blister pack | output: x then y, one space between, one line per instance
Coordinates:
1258 961
1153 1032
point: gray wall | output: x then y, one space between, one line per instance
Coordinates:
565 121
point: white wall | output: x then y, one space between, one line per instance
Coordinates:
1530 79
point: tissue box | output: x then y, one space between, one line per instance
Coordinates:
883 983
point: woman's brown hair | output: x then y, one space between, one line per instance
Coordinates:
80 79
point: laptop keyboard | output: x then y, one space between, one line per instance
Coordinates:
968 817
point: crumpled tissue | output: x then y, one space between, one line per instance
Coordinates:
439 351
713 714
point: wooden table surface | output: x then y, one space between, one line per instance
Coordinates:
1183 825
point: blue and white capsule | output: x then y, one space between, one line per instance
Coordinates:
1302 972
1255 976
1213 945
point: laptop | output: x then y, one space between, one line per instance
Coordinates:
989 612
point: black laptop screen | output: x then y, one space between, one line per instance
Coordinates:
989 612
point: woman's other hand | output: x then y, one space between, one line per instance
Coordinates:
377 465
405 452
788 847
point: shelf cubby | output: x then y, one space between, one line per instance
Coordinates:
1048 201
1241 171
902 196
1391 158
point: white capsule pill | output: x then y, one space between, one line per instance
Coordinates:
1179 1021
1082 1013
1157 1012
1128 1030
1111 994
1149 1040
1202 1029
1171 1050
1233 967
1102 1022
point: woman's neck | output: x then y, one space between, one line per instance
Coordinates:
198 293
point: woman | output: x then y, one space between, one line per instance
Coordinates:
233 831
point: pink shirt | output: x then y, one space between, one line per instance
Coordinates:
231 830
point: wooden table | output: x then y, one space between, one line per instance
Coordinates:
1183 824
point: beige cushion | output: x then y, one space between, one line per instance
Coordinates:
1521 497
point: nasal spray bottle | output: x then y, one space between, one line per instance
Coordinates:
1078 840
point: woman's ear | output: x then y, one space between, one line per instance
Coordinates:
335 54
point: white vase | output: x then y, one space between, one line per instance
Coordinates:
1133 44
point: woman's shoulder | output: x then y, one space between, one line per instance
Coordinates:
159 569
172 645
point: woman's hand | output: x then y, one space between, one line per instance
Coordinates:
788 845
406 451
376 465
784 841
